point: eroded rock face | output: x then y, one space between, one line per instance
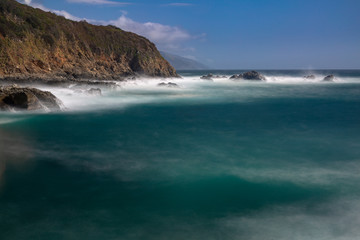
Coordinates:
329 78
252 75
42 45
17 98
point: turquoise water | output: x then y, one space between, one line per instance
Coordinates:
210 160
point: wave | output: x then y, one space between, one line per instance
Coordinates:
12 117
337 219
190 87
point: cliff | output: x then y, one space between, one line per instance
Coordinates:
34 43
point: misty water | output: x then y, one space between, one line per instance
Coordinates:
215 159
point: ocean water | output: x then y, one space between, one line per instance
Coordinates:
210 160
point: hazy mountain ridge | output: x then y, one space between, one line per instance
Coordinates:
183 63
42 44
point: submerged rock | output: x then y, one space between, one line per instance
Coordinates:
94 91
329 78
310 76
17 98
252 75
169 84
210 76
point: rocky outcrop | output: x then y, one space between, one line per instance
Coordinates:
56 81
310 77
253 75
17 98
169 84
94 91
42 45
211 76
207 77
329 78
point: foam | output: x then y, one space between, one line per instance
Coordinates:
333 220
146 90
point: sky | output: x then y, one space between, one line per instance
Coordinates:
234 34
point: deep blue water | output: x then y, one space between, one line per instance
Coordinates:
207 161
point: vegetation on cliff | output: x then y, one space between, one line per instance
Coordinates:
38 43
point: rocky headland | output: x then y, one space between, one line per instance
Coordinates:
41 48
40 45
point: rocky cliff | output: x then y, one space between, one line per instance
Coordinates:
34 43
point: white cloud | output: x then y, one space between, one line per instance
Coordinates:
66 15
99 2
179 4
42 7
35 4
159 33
190 57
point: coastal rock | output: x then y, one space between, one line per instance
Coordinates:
18 98
329 78
169 84
252 75
210 76
310 76
94 91
56 81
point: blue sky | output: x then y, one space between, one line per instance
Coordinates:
235 34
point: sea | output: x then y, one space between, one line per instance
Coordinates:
221 159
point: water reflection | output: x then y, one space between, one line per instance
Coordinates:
15 151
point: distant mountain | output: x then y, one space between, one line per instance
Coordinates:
37 43
182 63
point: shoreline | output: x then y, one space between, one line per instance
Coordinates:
59 80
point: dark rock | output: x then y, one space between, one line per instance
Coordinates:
329 78
210 76
17 98
253 75
55 81
169 84
236 76
310 76
94 91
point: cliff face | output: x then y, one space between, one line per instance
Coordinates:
42 44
